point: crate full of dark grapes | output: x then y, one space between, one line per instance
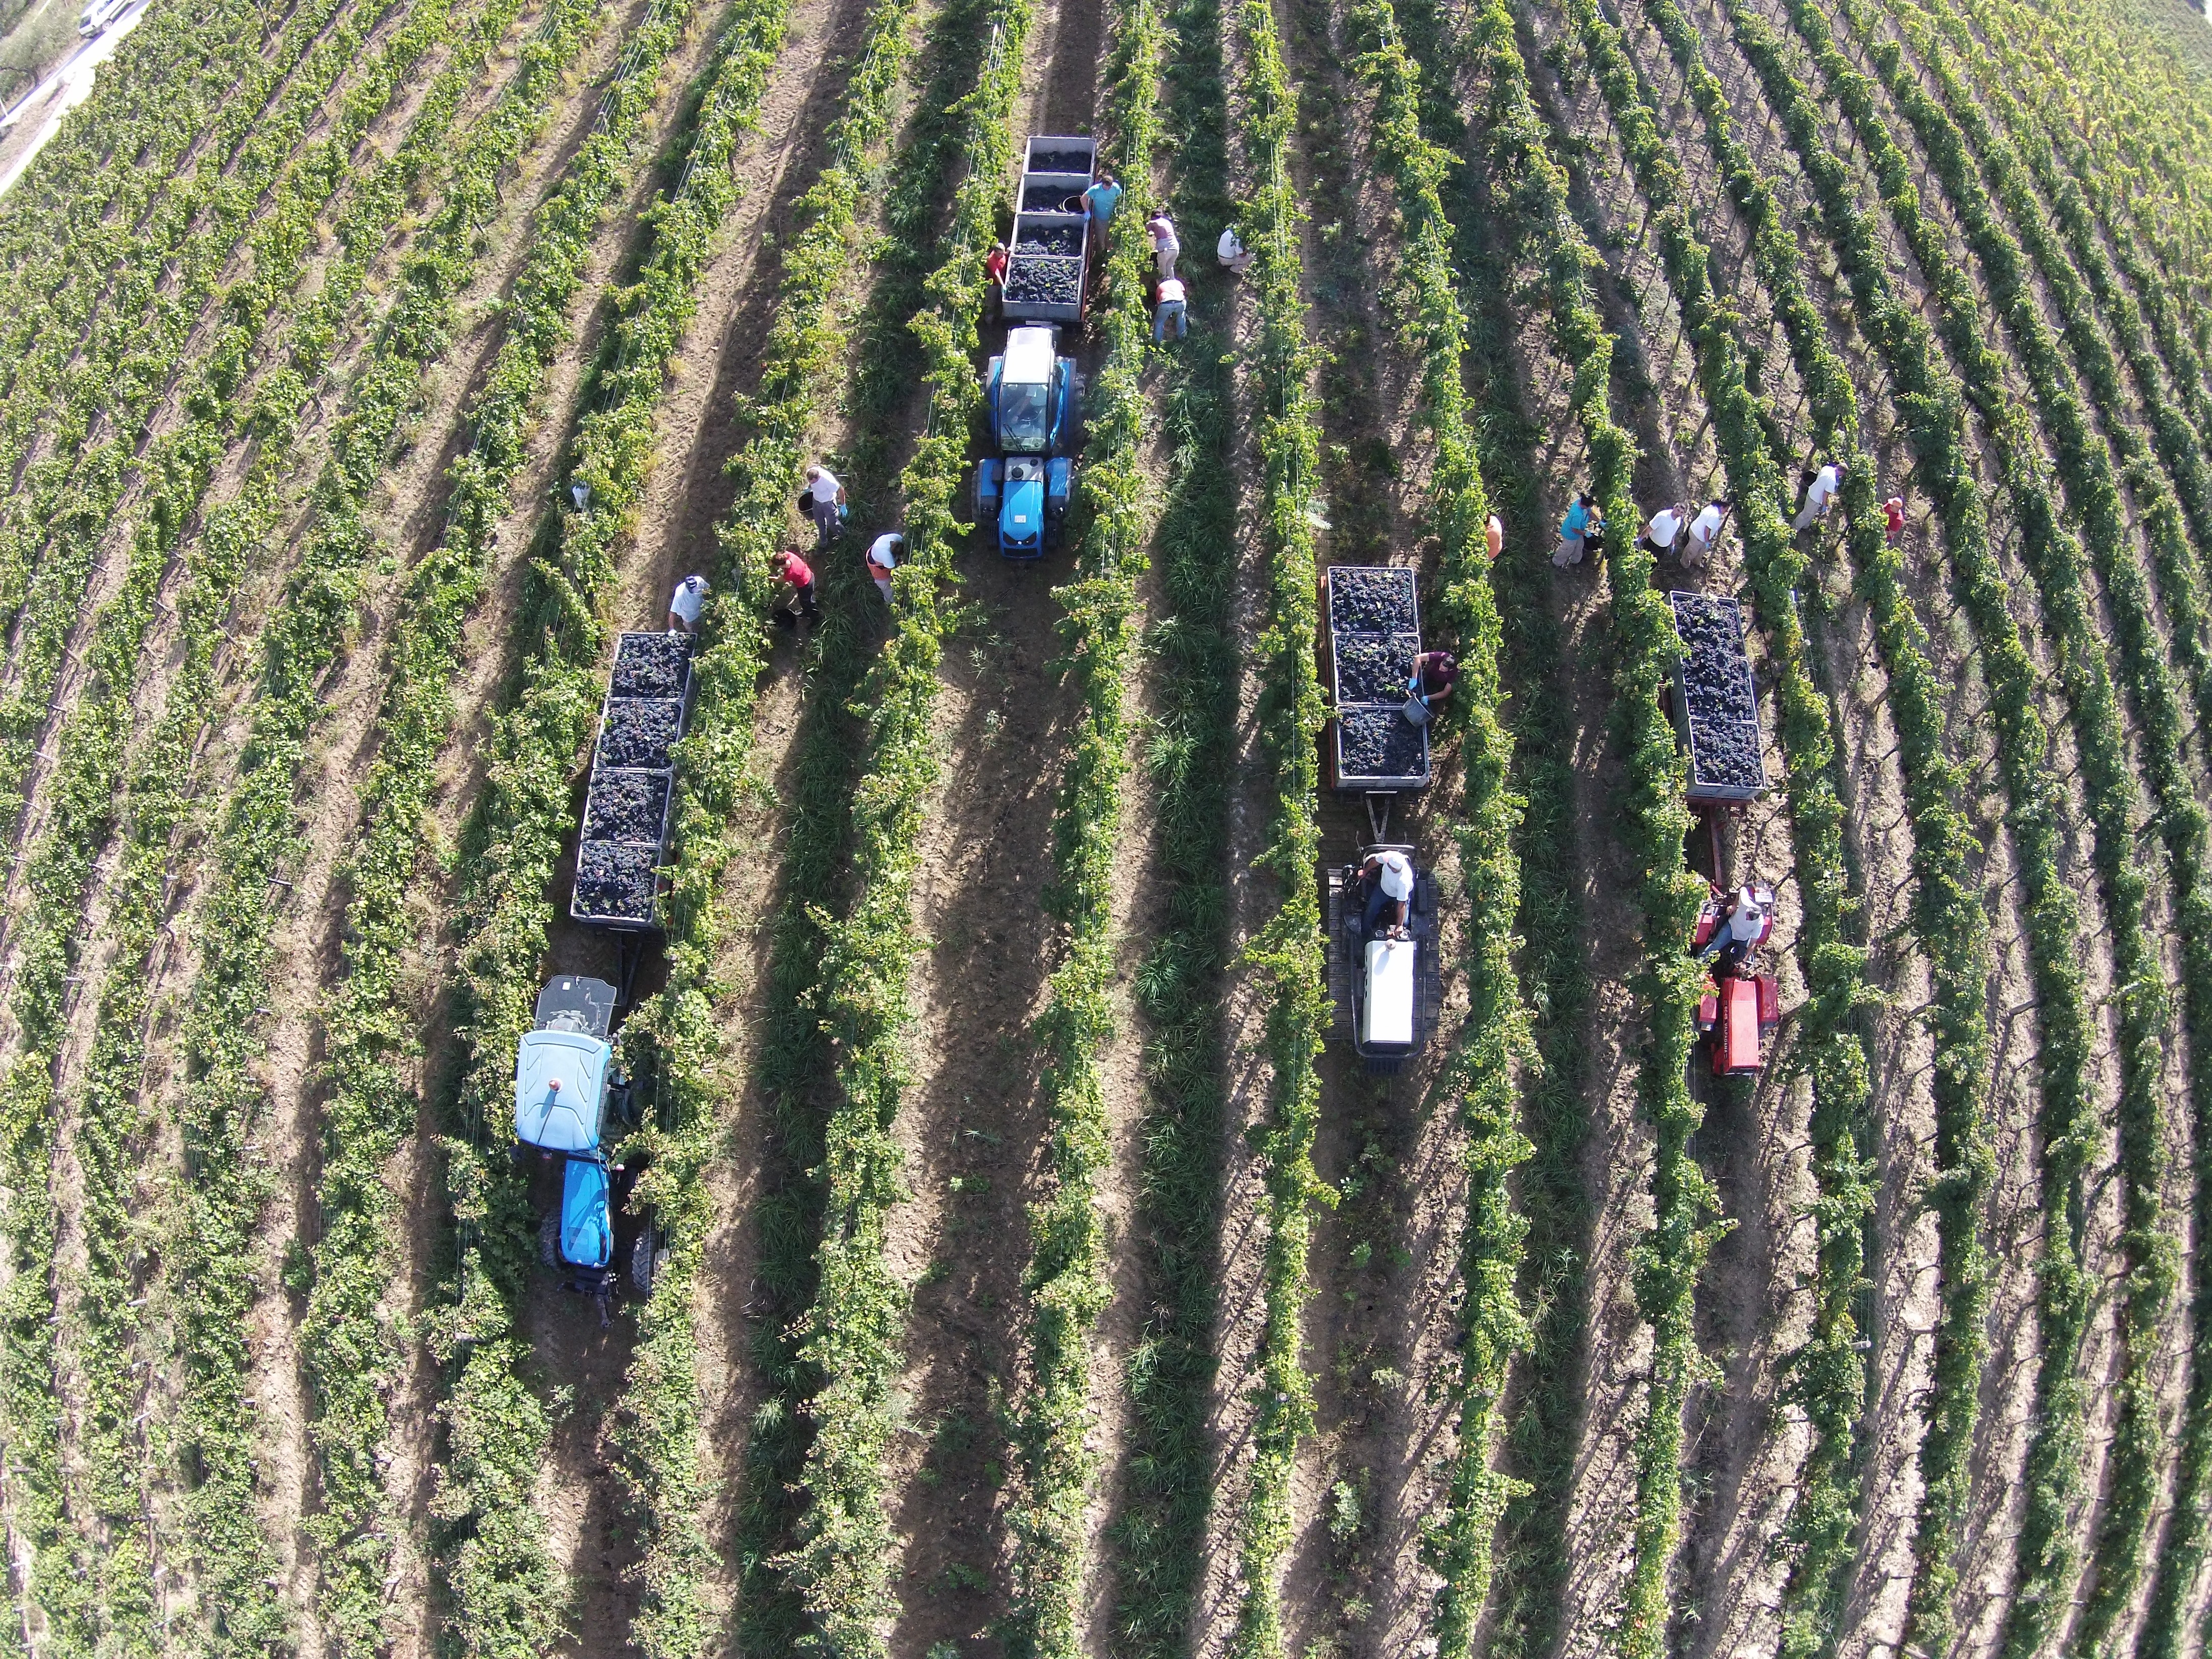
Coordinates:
1372 632
1045 265
630 805
1716 705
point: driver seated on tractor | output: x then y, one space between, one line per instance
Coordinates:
1740 929
1386 879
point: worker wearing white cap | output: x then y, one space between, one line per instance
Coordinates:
1743 926
684 603
1388 877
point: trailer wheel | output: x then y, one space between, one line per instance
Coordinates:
548 1240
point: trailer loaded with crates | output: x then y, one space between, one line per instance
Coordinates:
1716 708
1372 632
630 807
1047 262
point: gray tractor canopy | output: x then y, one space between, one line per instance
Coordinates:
560 1068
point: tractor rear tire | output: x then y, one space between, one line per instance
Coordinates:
648 1257
548 1240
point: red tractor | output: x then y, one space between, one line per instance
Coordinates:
1740 1004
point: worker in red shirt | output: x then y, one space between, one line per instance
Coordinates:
1892 513
994 270
798 575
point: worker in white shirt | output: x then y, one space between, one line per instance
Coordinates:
1663 528
684 604
1704 531
883 559
1232 252
1740 931
1387 875
1820 495
822 498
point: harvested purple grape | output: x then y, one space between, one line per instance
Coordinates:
1379 743
1720 707
650 665
1053 239
616 880
626 805
1060 160
1372 600
1374 667
1044 280
640 731
1052 199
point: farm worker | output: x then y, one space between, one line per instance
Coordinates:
1171 309
1583 521
684 604
883 559
1387 875
798 575
1893 514
1435 673
823 498
1165 243
1705 530
1658 537
1739 931
1821 488
1494 535
1232 252
994 270
1099 203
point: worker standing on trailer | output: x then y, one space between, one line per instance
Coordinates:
1664 525
1820 495
1704 531
1743 926
798 575
883 559
1388 877
1166 245
823 498
1583 522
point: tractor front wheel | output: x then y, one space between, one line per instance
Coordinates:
549 1241
646 1259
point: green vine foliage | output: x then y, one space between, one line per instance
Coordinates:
1828 1378
1496 1039
2046 1548
99 785
841 1563
1285 956
674 1036
1066 1280
1529 192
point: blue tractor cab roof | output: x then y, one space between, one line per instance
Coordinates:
587 1237
560 1089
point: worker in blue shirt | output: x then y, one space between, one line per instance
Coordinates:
1582 522
1099 203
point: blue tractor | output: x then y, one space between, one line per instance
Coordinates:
566 1087
1035 398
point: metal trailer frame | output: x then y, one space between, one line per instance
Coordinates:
602 774
1742 714
1380 790
1040 202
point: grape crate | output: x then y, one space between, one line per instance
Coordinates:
1372 632
1716 705
627 817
